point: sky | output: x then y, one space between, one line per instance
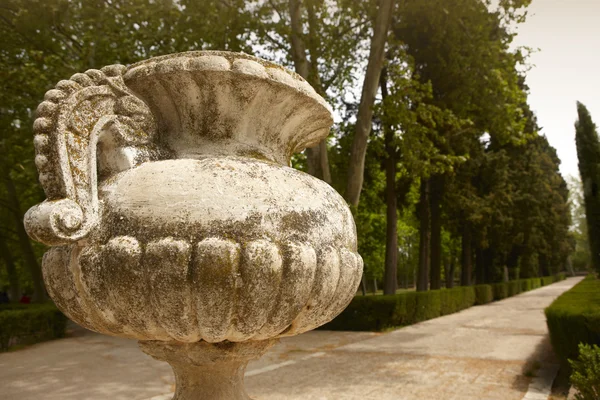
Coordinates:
566 69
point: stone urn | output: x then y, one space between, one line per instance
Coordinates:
175 219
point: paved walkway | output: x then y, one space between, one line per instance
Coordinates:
497 351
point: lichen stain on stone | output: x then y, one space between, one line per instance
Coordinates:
206 234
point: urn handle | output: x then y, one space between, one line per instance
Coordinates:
87 128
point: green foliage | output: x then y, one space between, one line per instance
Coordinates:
561 276
548 280
483 294
500 290
588 154
514 288
405 311
574 317
456 299
366 313
378 313
453 41
429 305
505 189
586 372
581 257
452 78
30 324
45 41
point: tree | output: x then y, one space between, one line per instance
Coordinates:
317 162
410 124
11 270
319 40
356 164
588 153
462 48
47 41
581 255
449 156
391 242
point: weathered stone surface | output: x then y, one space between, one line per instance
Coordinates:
208 371
480 353
176 215
220 103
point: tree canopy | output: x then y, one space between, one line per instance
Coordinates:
434 144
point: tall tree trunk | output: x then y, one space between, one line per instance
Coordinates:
450 267
543 263
298 46
512 261
424 236
356 166
489 265
316 156
526 267
436 231
39 293
479 265
318 162
484 264
391 242
466 257
363 285
11 270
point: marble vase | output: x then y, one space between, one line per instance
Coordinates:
175 218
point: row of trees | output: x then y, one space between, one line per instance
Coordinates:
434 145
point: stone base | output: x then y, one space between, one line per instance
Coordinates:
208 371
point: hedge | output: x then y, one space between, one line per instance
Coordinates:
379 313
547 280
456 299
483 294
500 290
507 289
30 324
573 318
13 306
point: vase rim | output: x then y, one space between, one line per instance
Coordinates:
192 60
202 106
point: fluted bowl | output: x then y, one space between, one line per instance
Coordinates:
223 248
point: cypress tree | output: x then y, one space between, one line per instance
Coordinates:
588 153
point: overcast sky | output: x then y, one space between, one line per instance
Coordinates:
566 69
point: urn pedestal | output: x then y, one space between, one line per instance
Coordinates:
176 220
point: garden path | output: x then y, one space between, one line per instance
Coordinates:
496 351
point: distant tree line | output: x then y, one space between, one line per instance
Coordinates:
434 146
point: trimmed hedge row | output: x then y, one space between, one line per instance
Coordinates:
30 324
483 294
507 289
379 313
573 318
